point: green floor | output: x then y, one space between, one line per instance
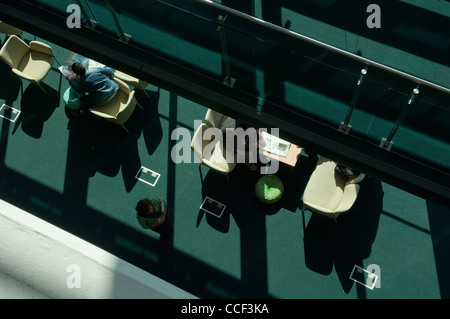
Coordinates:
80 174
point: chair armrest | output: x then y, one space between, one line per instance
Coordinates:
131 80
224 168
41 47
213 118
125 106
348 198
23 75
197 142
317 208
101 114
357 179
13 51
122 85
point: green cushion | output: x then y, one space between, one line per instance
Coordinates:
269 189
72 99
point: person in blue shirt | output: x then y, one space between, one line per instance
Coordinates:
95 85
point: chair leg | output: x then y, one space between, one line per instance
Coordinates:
146 93
303 218
42 88
57 61
125 128
140 106
200 170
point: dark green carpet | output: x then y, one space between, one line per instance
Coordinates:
79 174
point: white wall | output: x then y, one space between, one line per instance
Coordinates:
35 257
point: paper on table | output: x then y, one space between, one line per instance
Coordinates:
65 70
275 145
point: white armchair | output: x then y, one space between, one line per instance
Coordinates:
213 156
327 192
131 80
9 29
31 62
119 111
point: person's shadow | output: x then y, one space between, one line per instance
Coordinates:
238 195
349 241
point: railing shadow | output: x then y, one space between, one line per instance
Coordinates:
403 26
150 121
439 219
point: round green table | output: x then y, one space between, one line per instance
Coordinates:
269 189
71 99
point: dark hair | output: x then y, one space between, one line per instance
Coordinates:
78 68
143 205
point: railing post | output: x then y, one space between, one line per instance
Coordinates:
88 21
387 143
228 79
324 45
344 127
122 36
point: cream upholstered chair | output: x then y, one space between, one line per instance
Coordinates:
327 192
9 29
131 80
213 156
30 62
121 109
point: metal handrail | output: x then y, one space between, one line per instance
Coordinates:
326 46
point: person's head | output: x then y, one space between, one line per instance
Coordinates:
144 206
78 69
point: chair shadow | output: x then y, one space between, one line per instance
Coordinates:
348 242
150 120
110 148
104 147
249 214
116 150
10 84
236 193
36 108
216 186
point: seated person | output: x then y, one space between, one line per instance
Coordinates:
151 214
345 171
95 84
250 139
